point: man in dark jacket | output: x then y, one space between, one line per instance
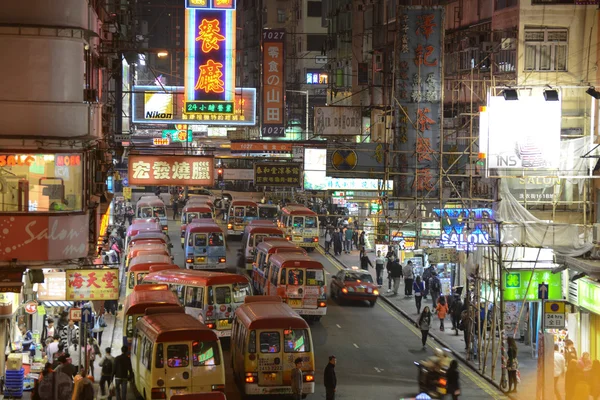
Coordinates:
396 273
123 373
330 379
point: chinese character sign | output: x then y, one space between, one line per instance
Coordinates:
273 119
418 119
278 174
92 284
170 170
209 51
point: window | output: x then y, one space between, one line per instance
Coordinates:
191 216
269 342
178 355
281 15
296 341
298 222
315 277
315 42
314 9
274 273
252 342
50 182
146 356
502 4
310 222
240 291
296 277
251 212
200 240
358 277
179 292
131 280
546 49
193 297
160 357
130 324
140 277
223 295
216 240
205 353
158 212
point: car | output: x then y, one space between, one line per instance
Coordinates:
354 284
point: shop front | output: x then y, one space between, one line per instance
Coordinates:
585 317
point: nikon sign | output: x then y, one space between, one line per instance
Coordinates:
158 105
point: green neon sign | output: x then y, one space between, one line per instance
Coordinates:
177 136
588 295
515 285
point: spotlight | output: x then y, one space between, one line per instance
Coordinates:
510 94
551 95
594 93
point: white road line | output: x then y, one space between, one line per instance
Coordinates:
377 369
338 326
355 345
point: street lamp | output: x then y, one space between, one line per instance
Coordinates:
162 54
306 93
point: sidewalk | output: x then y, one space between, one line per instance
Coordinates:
448 338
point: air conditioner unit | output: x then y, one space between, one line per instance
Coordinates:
378 132
508 44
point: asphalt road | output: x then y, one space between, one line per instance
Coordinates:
375 347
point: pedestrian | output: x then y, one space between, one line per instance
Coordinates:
570 352
365 262
379 263
442 310
296 377
362 240
408 273
426 277
466 323
337 242
396 274
572 377
83 389
241 260
66 366
512 366
27 340
98 329
452 378
49 330
54 385
595 382
92 349
330 379
455 311
328 239
123 373
424 324
559 370
68 334
348 240
52 349
435 288
74 350
419 288
175 205
115 247
585 362
107 365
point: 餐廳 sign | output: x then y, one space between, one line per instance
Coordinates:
170 170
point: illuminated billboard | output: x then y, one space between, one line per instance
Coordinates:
158 105
273 118
244 111
521 134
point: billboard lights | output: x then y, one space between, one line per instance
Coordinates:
551 95
510 94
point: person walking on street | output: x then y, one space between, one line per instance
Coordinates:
442 310
426 277
435 288
512 365
408 273
337 242
296 379
570 352
396 274
455 311
365 262
123 373
362 240
453 385
419 288
330 379
175 206
424 324
328 239
348 240
559 370
107 365
98 329
379 263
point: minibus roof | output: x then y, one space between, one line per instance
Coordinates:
264 229
240 203
196 208
269 315
148 237
163 267
200 396
174 328
144 227
139 300
145 246
298 210
147 266
285 258
272 246
150 258
209 227
261 222
193 277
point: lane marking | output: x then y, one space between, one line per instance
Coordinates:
379 370
355 345
338 325
477 379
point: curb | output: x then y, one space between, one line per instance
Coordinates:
438 340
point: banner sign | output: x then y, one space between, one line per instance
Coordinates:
92 284
273 113
170 170
442 256
338 121
278 174
356 160
419 92
517 287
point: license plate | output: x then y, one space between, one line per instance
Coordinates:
200 259
360 290
442 390
224 324
308 240
270 376
295 303
175 392
239 227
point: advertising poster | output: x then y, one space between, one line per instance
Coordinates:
338 121
356 160
273 112
278 174
54 287
92 284
170 170
516 285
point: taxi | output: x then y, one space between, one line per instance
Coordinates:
354 284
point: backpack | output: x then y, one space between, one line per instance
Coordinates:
107 367
436 286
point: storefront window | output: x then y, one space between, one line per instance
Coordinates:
41 182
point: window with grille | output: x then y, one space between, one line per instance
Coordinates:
281 15
546 49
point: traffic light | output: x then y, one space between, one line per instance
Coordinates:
220 175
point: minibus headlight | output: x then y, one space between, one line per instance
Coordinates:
251 377
316 239
164 228
376 292
189 260
229 226
344 290
442 381
309 378
288 238
217 388
322 304
159 393
222 259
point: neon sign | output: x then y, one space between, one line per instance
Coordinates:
208 4
14 160
454 221
210 78
208 33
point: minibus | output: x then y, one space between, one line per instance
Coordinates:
205 246
301 226
140 266
200 396
142 227
253 235
152 207
211 297
143 297
173 354
191 212
267 337
145 248
240 213
268 211
263 251
299 281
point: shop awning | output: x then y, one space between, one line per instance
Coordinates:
590 268
56 303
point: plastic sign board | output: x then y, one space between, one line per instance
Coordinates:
278 174
161 141
543 291
75 314
273 101
517 287
170 170
31 307
86 315
588 295
92 284
554 315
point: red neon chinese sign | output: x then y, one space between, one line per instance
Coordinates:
209 34
210 78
